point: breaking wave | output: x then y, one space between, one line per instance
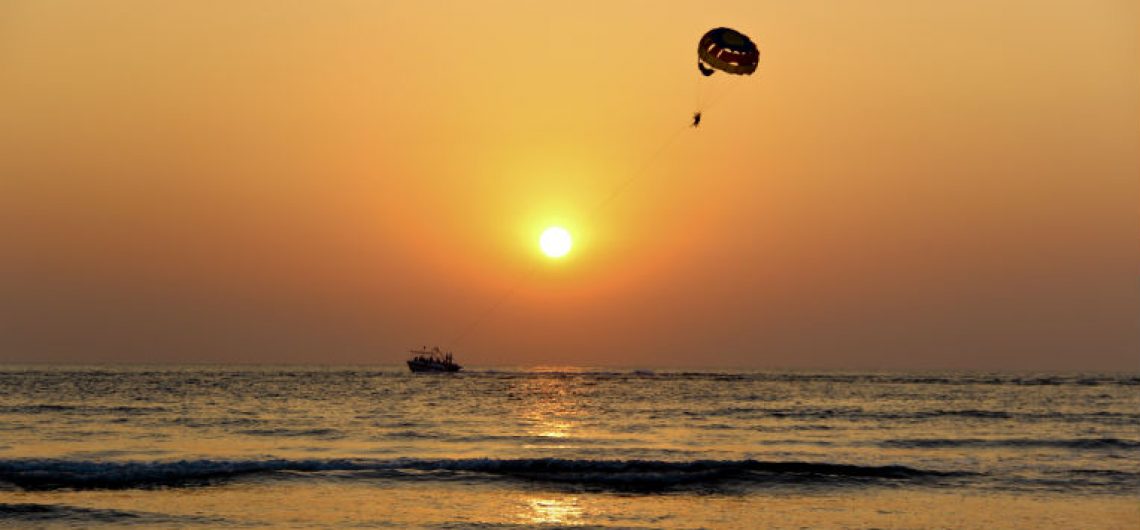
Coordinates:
643 475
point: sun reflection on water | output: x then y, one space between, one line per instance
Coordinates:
553 411
553 511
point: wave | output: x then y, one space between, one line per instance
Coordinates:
42 512
1076 443
1096 481
641 475
80 409
29 513
950 379
861 414
288 433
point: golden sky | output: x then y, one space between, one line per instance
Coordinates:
900 185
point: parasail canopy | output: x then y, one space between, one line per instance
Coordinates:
727 50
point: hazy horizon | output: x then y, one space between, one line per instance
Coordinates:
400 366
899 186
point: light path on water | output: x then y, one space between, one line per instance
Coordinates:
221 446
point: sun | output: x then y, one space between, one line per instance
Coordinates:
555 242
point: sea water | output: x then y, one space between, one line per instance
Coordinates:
247 447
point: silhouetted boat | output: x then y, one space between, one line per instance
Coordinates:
433 360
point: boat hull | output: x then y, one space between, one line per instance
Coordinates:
420 366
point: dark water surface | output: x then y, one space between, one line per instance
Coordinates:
379 447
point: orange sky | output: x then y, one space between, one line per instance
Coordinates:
901 185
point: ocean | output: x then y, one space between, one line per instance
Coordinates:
379 447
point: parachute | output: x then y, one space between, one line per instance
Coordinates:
727 50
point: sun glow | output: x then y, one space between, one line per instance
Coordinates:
555 242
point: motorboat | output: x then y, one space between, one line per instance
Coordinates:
432 360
